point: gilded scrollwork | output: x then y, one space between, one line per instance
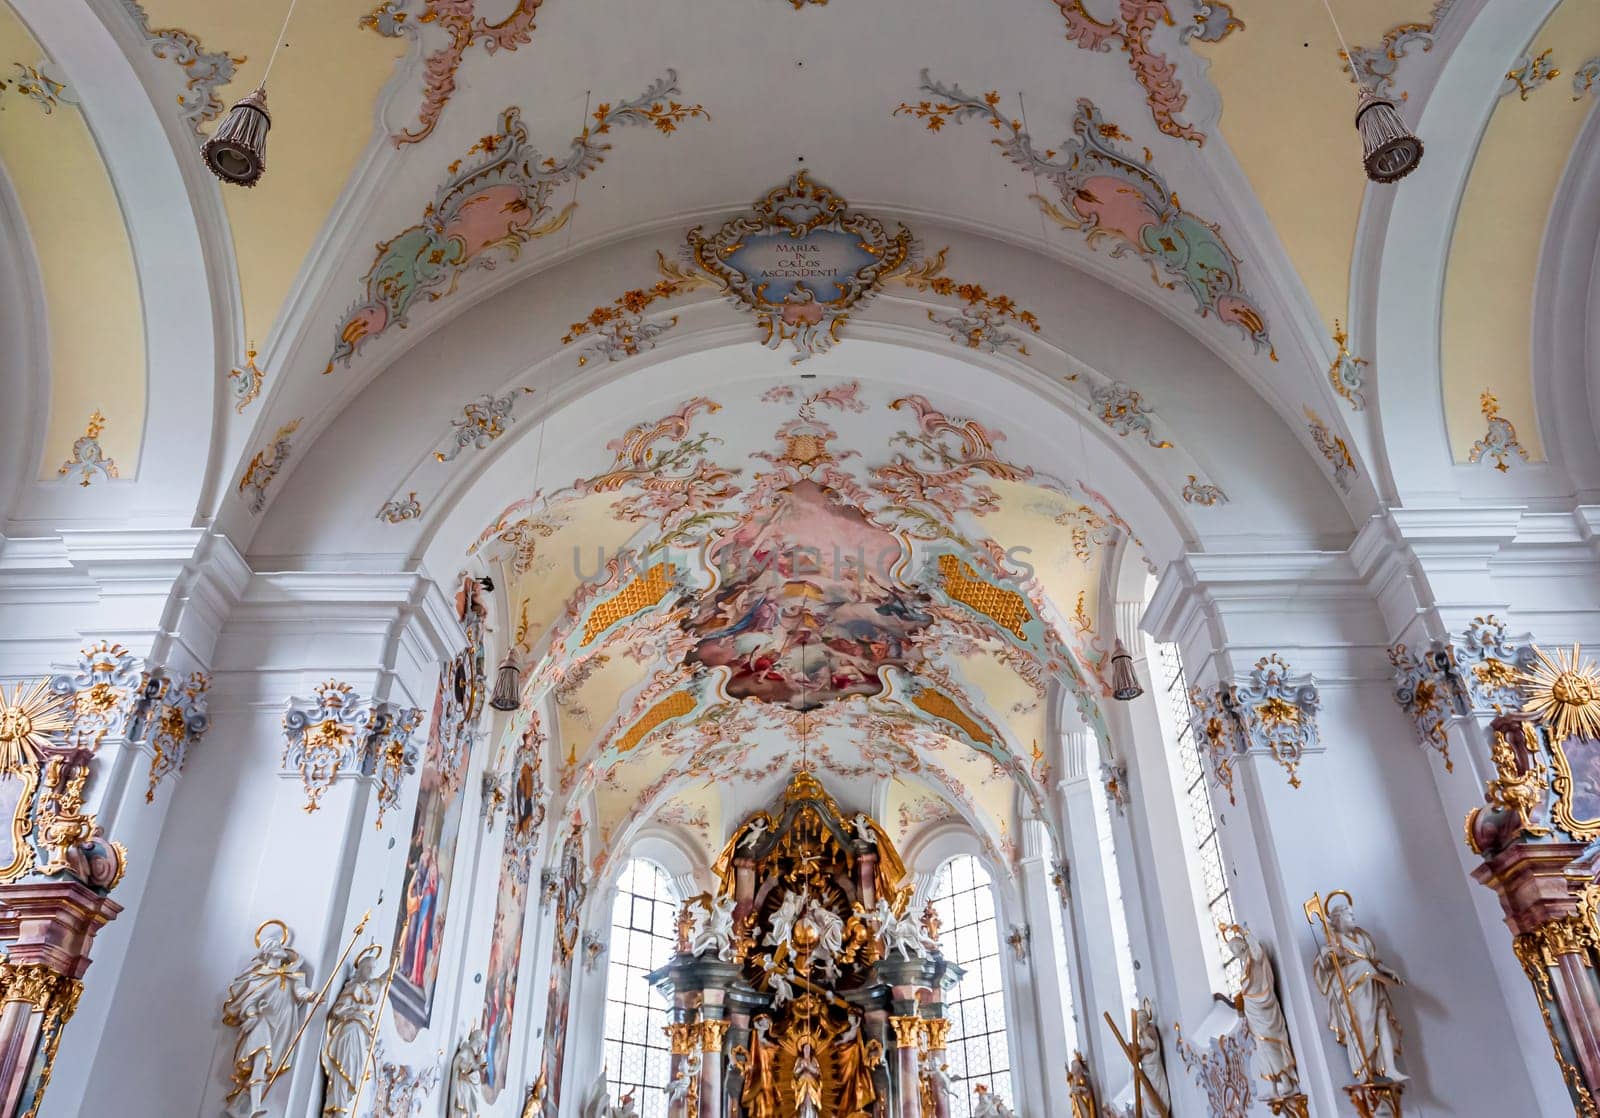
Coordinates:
1272 713
1431 689
482 421
1500 440
88 460
338 733
266 465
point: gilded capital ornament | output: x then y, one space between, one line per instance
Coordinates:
339 733
1272 713
683 1037
938 1032
909 1032
712 1034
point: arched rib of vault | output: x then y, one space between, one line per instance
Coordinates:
1566 320
179 247
1403 247
513 339
24 354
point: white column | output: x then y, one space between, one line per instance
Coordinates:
1367 819
1045 975
238 847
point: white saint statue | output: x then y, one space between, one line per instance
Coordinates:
263 1008
1357 985
712 929
778 979
781 927
466 1075
1258 1000
352 1020
1147 1038
990 1105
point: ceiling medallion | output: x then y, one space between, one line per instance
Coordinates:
801 260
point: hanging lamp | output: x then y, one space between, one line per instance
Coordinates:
1124 683
1389 150
507 681
237 151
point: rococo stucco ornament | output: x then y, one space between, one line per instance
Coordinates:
1273 713
338 733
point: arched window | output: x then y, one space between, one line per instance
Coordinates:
979 1051
1206 868
643 938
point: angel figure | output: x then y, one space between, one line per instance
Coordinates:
352 1021
864 831
830 928
760 1096
1357 985
1258 1000
682 1086
1147 1038
778 982
713 929
263 1007
466 1075
754 833
935 1087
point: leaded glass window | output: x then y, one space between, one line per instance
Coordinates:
980 1050
643 938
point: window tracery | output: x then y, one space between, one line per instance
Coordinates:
643 938
979 1046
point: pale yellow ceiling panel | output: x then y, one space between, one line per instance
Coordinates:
1499 232
1288 116
94 310
324 87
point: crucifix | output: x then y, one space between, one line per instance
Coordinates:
1142 1087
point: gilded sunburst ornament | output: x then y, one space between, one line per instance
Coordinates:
1564 693
27 719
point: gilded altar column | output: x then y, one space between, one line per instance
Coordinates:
908 1078
48 930
1548 884
713 1073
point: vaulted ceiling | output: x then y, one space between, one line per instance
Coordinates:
1135 306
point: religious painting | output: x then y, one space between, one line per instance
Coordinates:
1576 784
511 910
569 890
807 608
16 822
430 857
801 259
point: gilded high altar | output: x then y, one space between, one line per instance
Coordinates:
805 987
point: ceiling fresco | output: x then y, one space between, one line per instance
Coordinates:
842 568
874 586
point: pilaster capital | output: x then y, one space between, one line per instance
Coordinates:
385 632
340 734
